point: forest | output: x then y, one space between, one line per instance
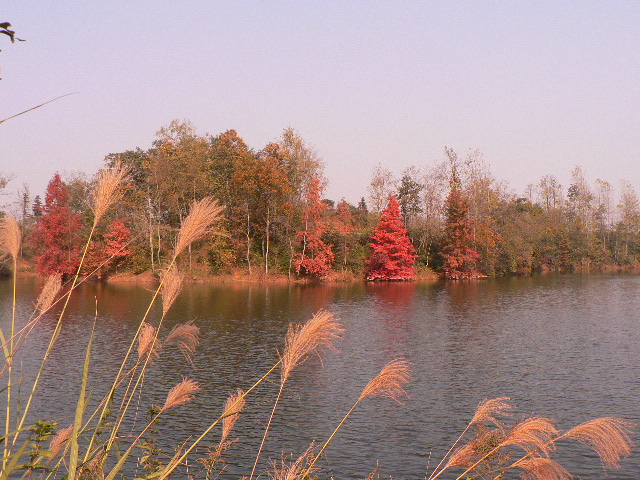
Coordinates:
452 218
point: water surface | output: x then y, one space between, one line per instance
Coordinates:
567 347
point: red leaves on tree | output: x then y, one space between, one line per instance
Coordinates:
459 258
392 254
116 242
57 232
316 257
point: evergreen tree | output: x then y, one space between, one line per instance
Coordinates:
57 232
392 254
459 258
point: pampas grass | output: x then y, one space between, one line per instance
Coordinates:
180 394
199 223
607 436
108 190
389 382
171 286
186 337
49 293
10 236
232 408
310 338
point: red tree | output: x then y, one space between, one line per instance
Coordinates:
392 254
57 232
116 243
316 257
459 258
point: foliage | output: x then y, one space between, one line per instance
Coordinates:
392 254
316 257
57 232
460 258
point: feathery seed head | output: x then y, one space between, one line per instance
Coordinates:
389 382
199 223
607 436
304 340
298 470
489 408
59 440
10 236
186 337
232 408
47 297
532 433
148 344
171 287
542 468
108 189
181 393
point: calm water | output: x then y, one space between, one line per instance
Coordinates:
567 347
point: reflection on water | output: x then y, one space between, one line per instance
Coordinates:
561 346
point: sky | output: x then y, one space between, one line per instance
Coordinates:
537 87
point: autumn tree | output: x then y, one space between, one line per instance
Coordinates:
316 257
57 234
460 258
344 227
392 255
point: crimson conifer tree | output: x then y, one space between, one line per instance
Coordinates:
316 257
459 258
57 232
392 254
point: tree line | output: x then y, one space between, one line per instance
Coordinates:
453 218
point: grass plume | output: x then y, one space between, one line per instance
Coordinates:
389 382
186 337
607 436
108 189
181 394
542 468
232 408
10 236
58 442
303 340
49 293
147 342
172 282
199 223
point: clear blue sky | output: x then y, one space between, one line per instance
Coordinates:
538 87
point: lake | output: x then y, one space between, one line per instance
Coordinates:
562 346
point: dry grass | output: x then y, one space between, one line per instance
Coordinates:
607 436
542 468
187 337
488 409
59 440
389 382
312 337
10 236
199 223
147 342
301 468
172 282
531 434
232 408
181 394
49 293
108 191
